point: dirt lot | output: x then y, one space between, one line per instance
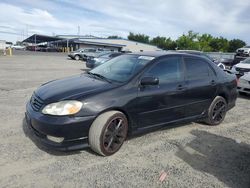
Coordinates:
192 155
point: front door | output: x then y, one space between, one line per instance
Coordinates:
165 102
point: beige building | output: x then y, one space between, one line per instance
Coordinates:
126 45
2 44
75 42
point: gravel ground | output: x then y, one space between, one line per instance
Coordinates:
192 155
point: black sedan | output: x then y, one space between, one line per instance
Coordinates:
129 94
96 61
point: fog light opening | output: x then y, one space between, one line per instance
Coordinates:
55 139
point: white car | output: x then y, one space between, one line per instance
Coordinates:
242 67
17 47
245 51
244 84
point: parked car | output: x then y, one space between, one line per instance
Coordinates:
244 84
79 54
18 47
227 62
96 61
129 94
245 51
217 62
242 67
91 55
84 53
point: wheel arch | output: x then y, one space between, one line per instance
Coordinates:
224 95
129 118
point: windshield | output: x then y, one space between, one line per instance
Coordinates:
246 61
122 68
105 55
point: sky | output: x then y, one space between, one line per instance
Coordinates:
169 18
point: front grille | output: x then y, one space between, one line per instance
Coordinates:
242 69
241 51
36 102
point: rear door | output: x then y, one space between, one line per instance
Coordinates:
201 85
164 102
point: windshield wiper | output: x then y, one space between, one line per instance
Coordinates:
100 76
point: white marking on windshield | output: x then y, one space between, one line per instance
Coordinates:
146 57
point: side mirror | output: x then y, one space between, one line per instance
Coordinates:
149 80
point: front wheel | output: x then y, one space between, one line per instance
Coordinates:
108 132
217 111
77 57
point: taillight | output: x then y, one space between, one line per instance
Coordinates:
237 81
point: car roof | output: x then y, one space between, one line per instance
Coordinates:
169 52
190 51
153 53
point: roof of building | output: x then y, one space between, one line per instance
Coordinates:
40 39
98 43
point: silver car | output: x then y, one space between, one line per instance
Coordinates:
244 84
245 51
80 53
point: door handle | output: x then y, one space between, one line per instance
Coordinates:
213 82
180 87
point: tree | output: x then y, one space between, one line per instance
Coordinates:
138 37
191 41
219 44
204 41
235 44
114 37
164 43
188 42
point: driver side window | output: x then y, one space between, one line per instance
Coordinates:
168 70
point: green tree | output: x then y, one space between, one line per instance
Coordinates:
188 41
235 44
204 41
164 43
138 37
219 44
114 37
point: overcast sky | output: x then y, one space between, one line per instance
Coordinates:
170 18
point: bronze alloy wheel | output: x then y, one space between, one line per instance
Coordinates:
219 111
108 132
114 135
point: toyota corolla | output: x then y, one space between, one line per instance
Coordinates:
129 94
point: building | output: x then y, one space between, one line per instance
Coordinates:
87 41
2 45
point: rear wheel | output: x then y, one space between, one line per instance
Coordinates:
217 111
108 132
77 57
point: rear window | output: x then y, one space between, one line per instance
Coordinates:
196 69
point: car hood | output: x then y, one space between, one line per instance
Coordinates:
243 65
72 88
246 76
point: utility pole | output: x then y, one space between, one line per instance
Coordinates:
78 32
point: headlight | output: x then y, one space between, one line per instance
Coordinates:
62 108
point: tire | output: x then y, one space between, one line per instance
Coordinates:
77 57
108 132
216 111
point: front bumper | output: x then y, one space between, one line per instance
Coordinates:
73 130
72 56
244 86
90 63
